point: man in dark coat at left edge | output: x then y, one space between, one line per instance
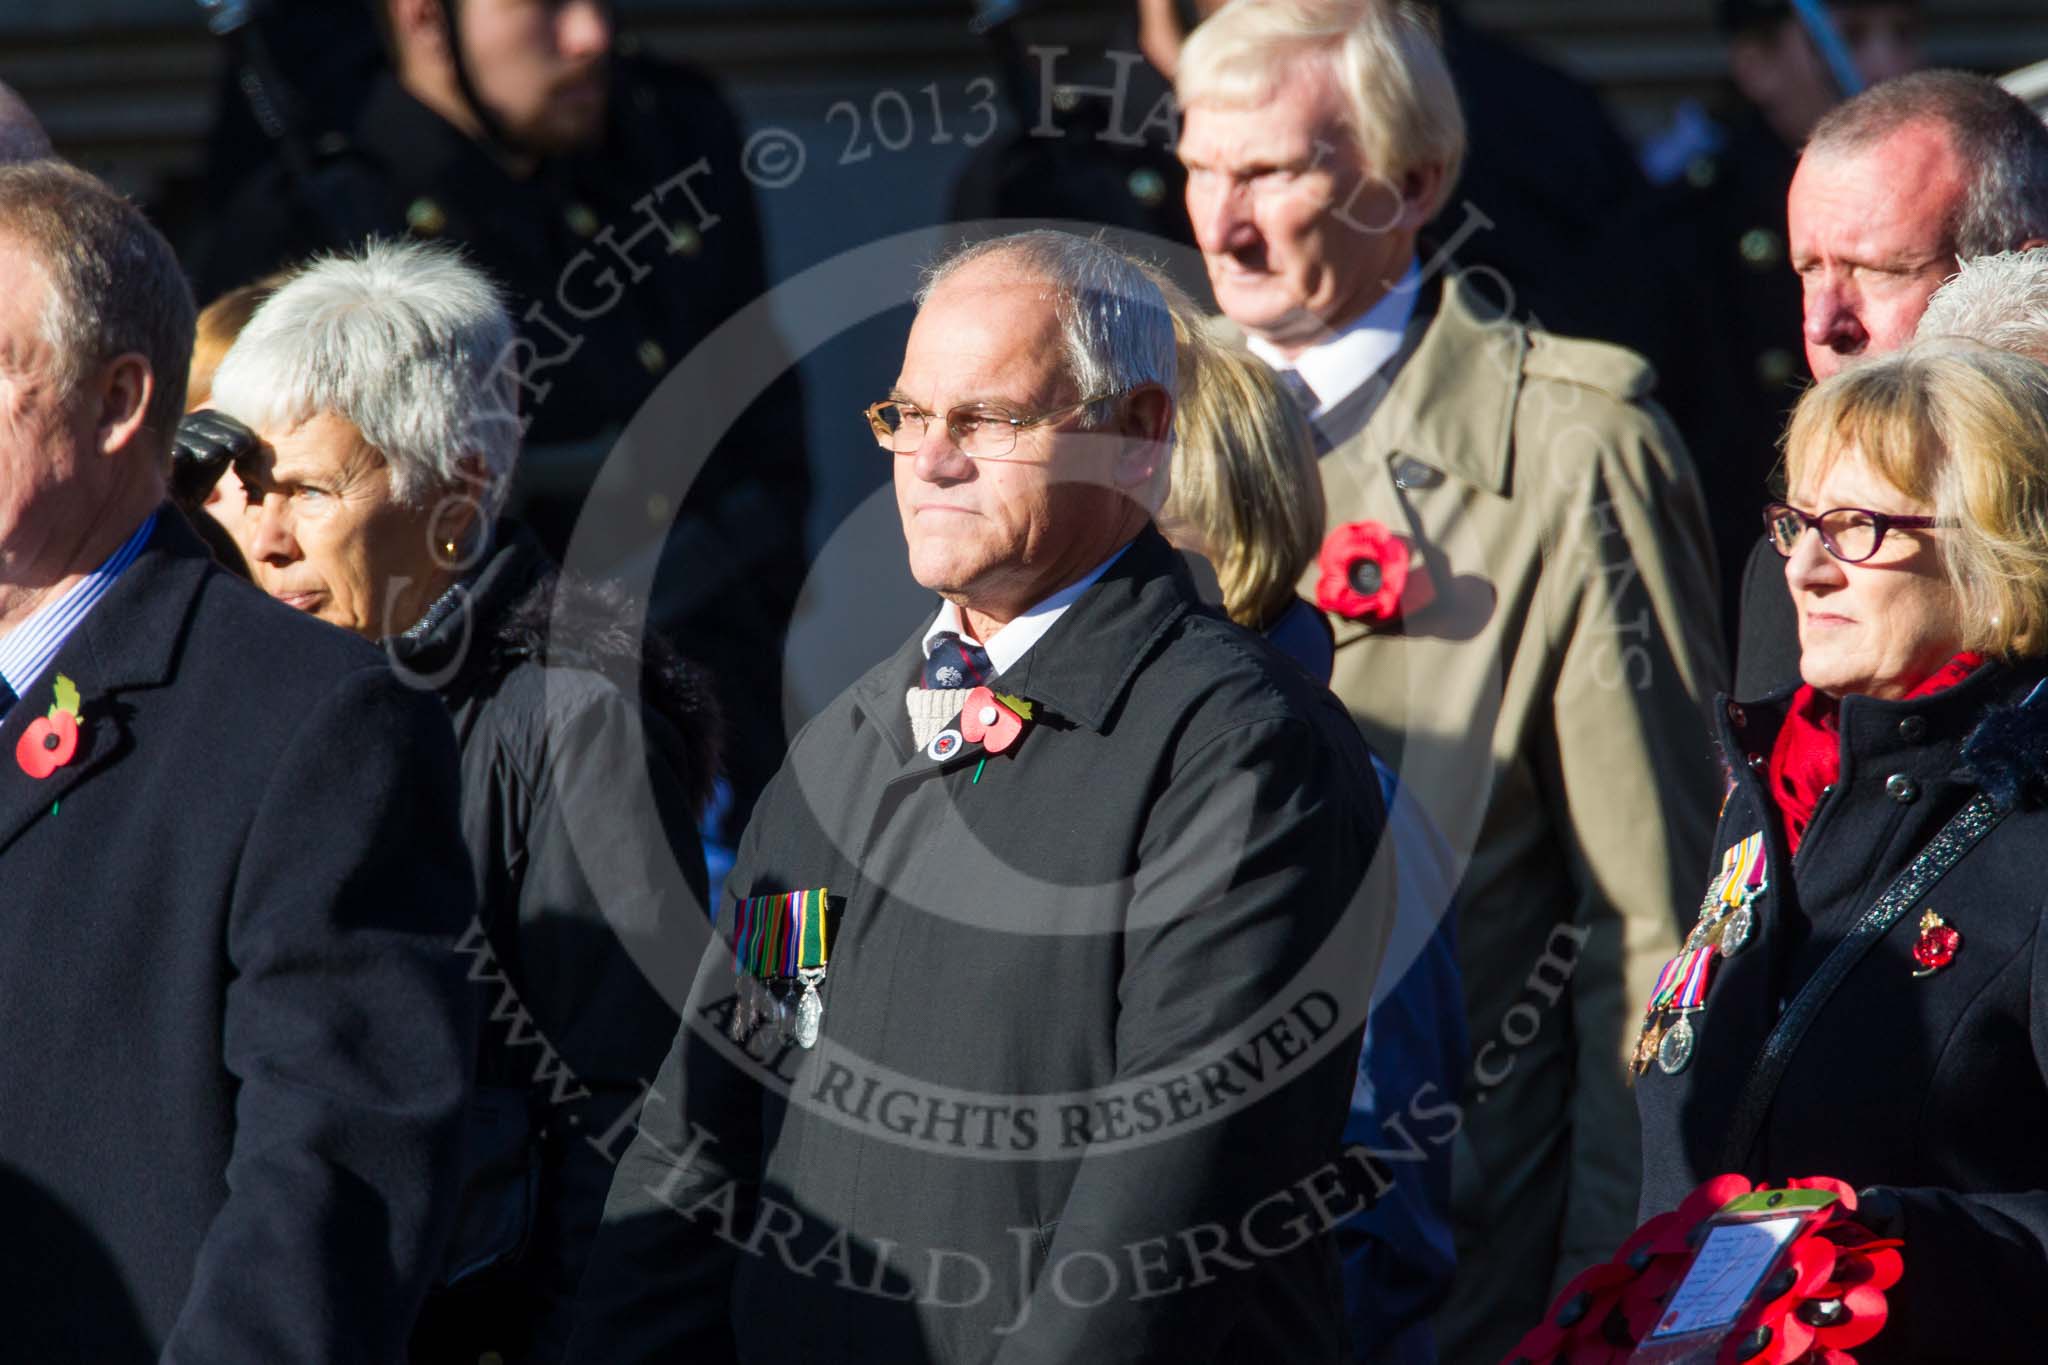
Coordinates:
236 1038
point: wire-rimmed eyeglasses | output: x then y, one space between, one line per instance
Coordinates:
982 431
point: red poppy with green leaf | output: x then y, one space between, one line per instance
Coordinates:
51 740
994 720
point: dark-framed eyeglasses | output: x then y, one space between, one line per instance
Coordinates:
981 430
1850 534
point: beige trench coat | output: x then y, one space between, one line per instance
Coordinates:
1548 711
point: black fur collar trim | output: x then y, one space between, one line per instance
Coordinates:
2007 753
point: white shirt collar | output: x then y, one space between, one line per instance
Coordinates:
1014 640
1335 368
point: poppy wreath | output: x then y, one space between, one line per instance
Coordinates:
1371 574
1825 1299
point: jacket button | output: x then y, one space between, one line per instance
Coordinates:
1902 789
1735 716
1913 729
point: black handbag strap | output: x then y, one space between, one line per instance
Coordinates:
1962 833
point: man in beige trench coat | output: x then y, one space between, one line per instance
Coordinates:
1546 707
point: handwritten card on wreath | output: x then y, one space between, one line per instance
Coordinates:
1730 1264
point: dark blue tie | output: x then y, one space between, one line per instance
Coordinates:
7 698
1297 388
955 663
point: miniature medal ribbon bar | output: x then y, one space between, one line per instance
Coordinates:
781 945
1725 923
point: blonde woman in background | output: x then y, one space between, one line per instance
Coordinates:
1247 496
219 323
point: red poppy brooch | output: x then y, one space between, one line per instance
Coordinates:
993 720
51 740
1936 946
1371 574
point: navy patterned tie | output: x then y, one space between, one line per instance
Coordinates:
955 663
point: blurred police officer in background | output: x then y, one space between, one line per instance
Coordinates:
604 191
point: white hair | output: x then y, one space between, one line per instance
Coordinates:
406 342
1385 56
2000 301
1116 331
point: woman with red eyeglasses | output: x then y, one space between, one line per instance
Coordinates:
1864 990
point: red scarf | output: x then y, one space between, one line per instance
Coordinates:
1808 755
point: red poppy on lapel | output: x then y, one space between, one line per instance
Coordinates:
994 722
1370 574
51 740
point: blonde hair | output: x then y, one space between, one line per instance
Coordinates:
1964 429
1384 54
1245 480
220 322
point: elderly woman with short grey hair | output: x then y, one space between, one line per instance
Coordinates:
387 434
1864 994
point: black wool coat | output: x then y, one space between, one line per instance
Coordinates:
235 1042
1090 1021
1932 1088
580 883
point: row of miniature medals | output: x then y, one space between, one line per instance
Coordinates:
781 945
1726 922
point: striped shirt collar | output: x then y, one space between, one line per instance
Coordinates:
27 650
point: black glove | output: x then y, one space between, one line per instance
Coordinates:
1882 1211
205 443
